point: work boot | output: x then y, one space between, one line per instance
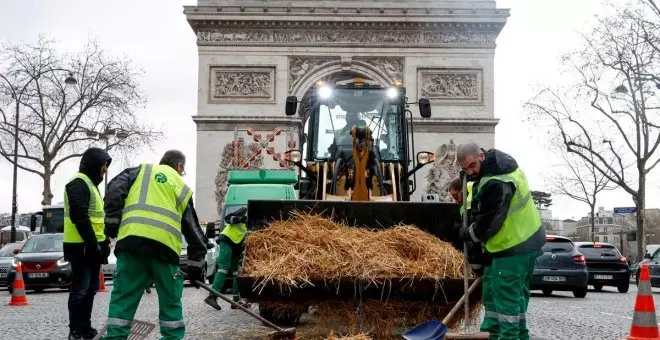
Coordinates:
211 301
73 335
90 334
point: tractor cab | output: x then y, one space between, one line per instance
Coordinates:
353 126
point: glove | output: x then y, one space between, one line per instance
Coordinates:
195 273
464 233
93 253
105 251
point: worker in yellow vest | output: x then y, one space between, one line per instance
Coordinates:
85 245
476 257
149 210
506 221
230 254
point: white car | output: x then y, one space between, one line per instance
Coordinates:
109 269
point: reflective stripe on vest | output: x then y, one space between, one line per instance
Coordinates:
522 220
155 205
236 232
95 212
469 197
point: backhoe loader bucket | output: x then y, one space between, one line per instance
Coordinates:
439 219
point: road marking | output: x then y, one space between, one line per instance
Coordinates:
621 316
545 301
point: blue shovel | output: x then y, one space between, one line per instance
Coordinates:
434 329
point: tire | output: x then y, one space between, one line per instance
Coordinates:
547 292
280 317
623 287
580 292
598 288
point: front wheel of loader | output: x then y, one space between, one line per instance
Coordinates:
280 316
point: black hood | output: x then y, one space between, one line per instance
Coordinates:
92 161
497 162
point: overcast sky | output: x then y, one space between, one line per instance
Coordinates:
156 36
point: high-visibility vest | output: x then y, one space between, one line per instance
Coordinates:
235 232
155 205
522 220
95 212
469 198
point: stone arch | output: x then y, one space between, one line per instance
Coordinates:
338 67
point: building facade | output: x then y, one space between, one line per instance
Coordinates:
609 228
253 54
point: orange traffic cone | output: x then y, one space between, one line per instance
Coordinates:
18 297
645 324
102 281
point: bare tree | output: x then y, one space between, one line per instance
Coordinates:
60 99
611 110
579 180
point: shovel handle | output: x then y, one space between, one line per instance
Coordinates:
238 305
461 301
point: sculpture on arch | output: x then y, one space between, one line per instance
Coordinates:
445 169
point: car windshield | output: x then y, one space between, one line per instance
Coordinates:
604 250
8 249
360 107
557 246
43 244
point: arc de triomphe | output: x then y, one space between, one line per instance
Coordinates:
253 54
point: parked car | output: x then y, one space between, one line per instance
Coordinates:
606 265
7 253
651 249
42 262
561 267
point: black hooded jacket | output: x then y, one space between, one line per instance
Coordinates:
495 198
78 194
115 198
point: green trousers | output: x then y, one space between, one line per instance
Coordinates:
228 259
506 295
132 274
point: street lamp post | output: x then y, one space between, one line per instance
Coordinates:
69 80
105 135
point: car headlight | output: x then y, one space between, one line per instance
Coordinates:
62 262
15 262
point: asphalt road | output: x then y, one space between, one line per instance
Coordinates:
604 315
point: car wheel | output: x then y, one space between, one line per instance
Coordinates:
547 292
580 293
598 288
623 287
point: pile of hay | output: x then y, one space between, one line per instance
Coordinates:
310 248
361 336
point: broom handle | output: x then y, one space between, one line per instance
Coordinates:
463 299
465 249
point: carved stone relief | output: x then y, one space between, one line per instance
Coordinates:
445 168
252 84
301 66
343 37
451 85
392 67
